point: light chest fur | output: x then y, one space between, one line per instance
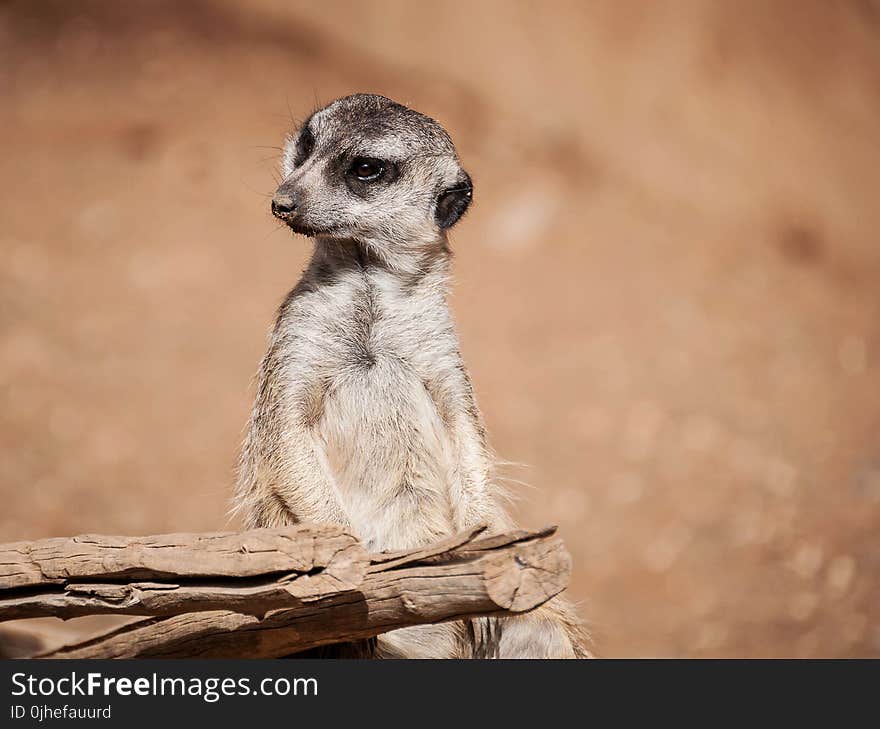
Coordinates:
374 369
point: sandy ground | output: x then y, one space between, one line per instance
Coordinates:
667 290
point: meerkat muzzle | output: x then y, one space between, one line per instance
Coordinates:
284 205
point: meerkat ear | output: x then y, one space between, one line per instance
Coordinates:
454 201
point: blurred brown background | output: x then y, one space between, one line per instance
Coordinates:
668 291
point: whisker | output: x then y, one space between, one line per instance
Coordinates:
256 192
272 232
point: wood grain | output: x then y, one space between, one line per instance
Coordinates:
461 577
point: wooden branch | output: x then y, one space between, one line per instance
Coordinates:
217 554
459 578
251 572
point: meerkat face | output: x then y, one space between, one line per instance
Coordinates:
368 169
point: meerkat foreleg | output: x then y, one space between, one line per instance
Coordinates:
283 473
304 481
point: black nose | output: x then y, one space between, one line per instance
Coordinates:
283 204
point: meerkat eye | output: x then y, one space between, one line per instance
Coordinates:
367 169
304 146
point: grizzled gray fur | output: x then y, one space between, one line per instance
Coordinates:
364 413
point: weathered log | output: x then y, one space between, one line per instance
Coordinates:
251 572
459 578
213 554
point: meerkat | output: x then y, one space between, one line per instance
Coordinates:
364 413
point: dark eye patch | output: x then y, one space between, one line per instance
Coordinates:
305 144
367 169
365 174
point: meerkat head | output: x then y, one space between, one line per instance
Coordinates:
367 169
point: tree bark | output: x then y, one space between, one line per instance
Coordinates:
252 572
461 577
215 554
